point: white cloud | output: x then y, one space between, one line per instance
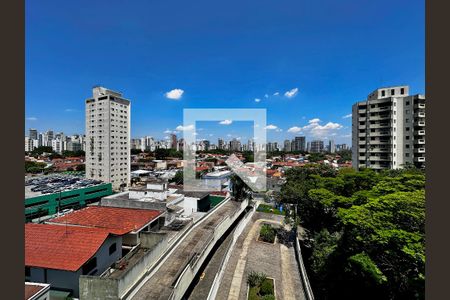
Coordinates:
320 131
313 121
266 96
225 122
185 128
271 127
347 116
32 119
168 131
174 94
291 93
295 129
276 93
70 110
257 100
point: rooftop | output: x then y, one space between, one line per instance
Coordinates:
115 220
55 183
61 247
34 290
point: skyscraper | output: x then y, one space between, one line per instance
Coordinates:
33 134
388 129
287 146
173 141
108 137
316 146
331 146
299 144
220 144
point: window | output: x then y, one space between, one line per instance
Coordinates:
392 92
90 265
407 146
407 137
407 128
407 121
112 248
407 111
402 91
383 93
407 154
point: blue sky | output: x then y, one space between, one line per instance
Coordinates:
326 54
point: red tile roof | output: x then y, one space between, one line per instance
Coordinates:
114 219
61 247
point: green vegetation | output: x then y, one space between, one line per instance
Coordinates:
34 167
178 178
267 233
261 287
239 189
365 230
269 209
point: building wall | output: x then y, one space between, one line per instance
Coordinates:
48 204
108 137
385 129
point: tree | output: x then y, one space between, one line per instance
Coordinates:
178 178
239 189
365 231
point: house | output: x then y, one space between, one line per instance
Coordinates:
124 222
59 254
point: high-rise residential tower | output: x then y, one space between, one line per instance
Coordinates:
108 137
388 129
316 146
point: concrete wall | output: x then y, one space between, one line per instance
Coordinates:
132 204
189 205
92 287
192 269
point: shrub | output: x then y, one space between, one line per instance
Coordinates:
268 297
255 278
267 233
266 287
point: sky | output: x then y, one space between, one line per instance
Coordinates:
305 62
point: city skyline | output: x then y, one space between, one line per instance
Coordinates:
296 80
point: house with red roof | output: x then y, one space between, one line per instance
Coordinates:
59 254
125 222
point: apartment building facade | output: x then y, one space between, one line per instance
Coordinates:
108 137
388 129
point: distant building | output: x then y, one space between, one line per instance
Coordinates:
33 134
299 144
108 137
220 144
331 146
287 146
316 146
173 141
388 129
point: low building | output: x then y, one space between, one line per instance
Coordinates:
124 222
59 254
48 195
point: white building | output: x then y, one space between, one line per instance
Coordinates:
388 129
108 137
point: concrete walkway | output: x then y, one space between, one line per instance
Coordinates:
275 260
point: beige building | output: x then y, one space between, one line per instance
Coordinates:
108 137
388 130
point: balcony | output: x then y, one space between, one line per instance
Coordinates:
419 159
420 142
419 150
419 114
361 142
421 123
421 132
362 119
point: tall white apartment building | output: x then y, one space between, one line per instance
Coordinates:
108 137
388 129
